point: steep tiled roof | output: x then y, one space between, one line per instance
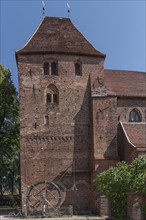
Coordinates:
58 35
136 133
125 83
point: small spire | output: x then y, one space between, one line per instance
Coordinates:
68 6
43 4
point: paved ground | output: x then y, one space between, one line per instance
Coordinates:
4 217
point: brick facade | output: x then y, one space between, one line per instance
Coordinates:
47 151
82 135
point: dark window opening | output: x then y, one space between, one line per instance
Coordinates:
46 120
52 98
48 98
52 95
46 68
53 68
77 69
135 116
55 99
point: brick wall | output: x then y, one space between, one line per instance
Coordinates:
105 126
134 204
62 150
126 105
80 139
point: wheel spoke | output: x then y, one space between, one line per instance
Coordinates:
44 193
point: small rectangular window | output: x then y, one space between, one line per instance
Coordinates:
46 120
77 69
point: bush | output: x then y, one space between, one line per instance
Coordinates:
117 182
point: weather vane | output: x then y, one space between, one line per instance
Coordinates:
43 4
68 6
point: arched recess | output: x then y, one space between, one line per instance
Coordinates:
135 115
82 192
52 95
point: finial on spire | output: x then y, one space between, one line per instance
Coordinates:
43 4
68 6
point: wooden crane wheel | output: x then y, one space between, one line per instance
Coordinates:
43 196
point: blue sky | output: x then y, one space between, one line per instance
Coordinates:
116 28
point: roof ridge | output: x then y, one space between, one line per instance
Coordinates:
125 71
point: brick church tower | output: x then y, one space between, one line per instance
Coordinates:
55 68
76 119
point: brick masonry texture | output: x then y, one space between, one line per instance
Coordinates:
48 150
88 129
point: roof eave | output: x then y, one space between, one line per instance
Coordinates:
118 95
20 52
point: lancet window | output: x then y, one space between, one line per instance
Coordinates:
52 95
50 68
78 69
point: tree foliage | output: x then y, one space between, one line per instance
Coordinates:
9 133
117 182
3 73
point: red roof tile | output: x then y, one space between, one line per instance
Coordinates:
125 83
58 35
136 132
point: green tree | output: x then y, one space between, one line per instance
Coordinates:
3 73
138 175
117 182
9 133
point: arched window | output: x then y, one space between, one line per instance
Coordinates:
54 68
55 98
135 116
50 68
48 98
46 120
78 69
52 95
46 68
